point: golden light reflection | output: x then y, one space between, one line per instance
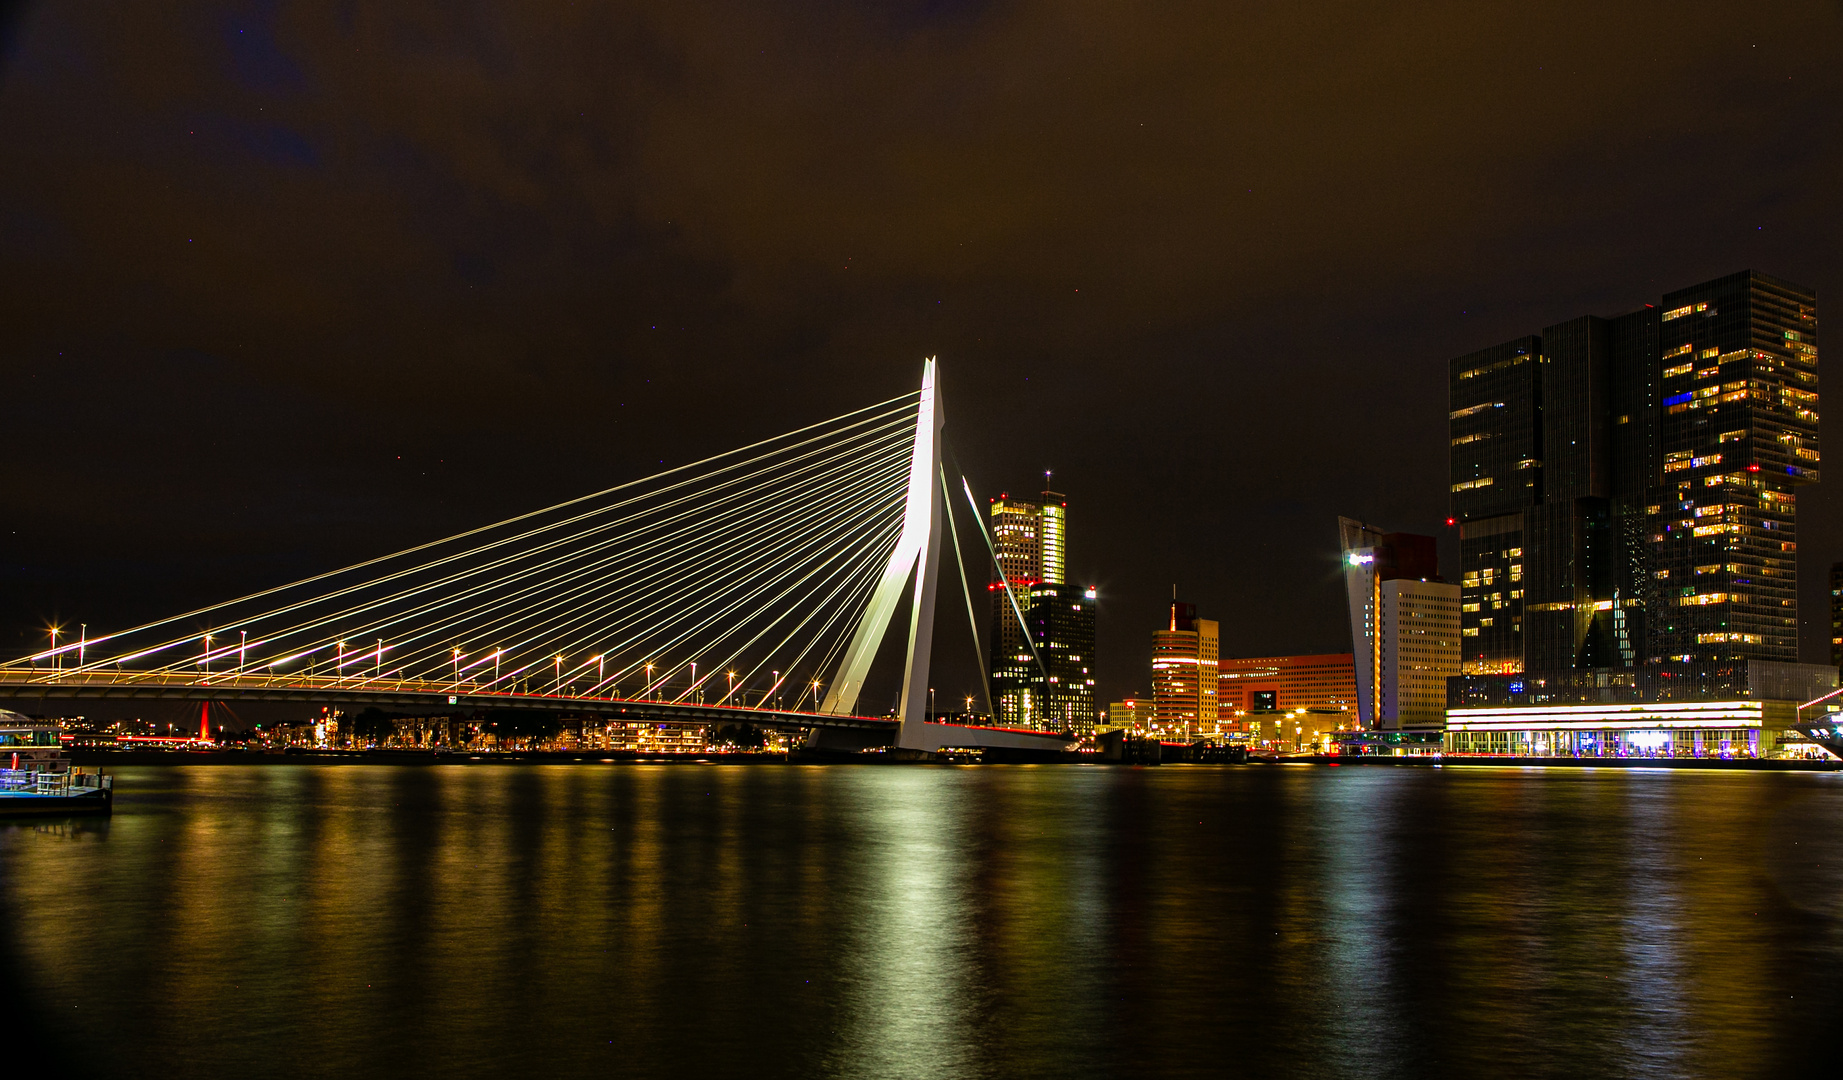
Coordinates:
926 921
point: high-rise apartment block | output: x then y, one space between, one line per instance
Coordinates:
1185 670
1404 627
1625 492
1041 666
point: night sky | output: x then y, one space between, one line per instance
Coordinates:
287 286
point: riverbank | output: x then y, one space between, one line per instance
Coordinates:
408 757
1452 761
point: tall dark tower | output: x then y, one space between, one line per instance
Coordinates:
1738 376
1031 542
1626 494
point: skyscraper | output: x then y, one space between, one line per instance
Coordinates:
1030 540
1404 627
1625 490
1058 695
1185 672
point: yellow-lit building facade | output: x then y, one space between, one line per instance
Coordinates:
1185 672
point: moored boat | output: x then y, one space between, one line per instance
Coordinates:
37 778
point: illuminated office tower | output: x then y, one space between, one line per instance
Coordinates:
1419 650
1625 492
1031 542
1059 694
1185 673
1404 627
1624 488
1738 387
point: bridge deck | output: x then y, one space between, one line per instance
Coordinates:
40 684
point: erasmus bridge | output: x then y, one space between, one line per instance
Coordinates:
756 586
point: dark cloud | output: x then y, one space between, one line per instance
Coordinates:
284 285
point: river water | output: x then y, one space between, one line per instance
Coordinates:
863 921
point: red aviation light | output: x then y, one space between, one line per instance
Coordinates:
1450 522
1753 468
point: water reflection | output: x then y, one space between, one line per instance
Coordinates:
919 922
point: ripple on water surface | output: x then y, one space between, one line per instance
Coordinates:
802 921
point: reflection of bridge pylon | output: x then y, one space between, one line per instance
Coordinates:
753 586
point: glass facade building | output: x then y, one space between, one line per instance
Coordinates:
1625 491
1030 540
1059 695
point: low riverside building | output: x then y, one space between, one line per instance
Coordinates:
656 738
1743 708
1134 714
1292 730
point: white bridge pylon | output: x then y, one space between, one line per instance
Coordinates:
917 558
917 555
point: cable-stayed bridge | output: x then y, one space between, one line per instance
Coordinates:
755 586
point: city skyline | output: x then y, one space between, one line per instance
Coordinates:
500 498
286 343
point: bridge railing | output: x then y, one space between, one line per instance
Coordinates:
233 680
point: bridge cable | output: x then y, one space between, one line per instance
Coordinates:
966 590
